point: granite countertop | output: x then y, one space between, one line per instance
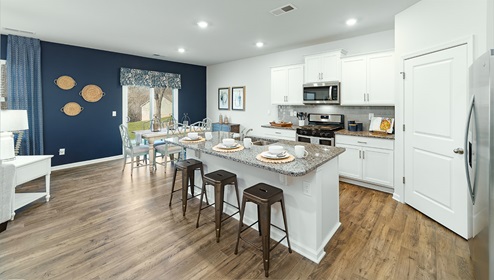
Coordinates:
318 155
293 127
366 134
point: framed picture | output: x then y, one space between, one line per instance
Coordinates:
238 98
224 98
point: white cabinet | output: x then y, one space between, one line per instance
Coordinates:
368 80
287 85
323 67
367 161
286 134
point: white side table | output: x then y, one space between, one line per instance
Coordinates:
28 168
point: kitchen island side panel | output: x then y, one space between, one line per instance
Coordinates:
312 219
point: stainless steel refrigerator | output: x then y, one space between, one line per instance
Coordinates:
479 162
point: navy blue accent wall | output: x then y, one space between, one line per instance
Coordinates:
94 132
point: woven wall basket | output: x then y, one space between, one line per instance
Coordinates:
92 93
65 82
72 109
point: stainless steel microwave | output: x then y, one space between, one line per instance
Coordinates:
322 93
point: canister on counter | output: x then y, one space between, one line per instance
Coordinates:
352 127
360 126
349 123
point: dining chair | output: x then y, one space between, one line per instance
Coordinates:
132 151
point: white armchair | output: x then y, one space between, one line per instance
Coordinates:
7 189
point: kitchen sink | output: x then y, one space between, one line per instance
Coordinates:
262 142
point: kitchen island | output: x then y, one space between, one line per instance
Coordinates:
310 186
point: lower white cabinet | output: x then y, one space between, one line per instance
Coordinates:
286 134
367 161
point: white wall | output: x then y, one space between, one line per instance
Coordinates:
490 24
424 26
254 73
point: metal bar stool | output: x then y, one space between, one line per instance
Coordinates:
264 196
188 168
219 179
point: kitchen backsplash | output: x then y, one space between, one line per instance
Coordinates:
352 113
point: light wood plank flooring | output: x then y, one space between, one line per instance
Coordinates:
101 224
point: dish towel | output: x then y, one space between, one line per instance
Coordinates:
7 189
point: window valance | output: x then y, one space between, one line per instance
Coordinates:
153 79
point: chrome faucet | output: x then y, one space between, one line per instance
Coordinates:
242 134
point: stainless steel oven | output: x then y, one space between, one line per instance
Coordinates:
321 129
316 140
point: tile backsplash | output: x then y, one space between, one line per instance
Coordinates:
352 113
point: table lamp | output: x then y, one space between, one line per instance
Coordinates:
11 120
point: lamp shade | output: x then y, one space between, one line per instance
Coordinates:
13 120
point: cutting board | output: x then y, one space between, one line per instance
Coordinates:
381 124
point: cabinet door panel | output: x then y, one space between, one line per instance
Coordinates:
295 85
350 164
279 85
353 81
312 69
380 79
330 67
377 166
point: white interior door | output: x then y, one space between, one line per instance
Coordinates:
435 113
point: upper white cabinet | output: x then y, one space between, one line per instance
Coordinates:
368 80
287 85
323 67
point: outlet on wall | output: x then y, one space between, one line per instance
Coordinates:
306 187
114 113
371 115
61 152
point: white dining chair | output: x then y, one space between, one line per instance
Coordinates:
132 151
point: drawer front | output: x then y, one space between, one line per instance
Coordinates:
365 142
32 171
281 133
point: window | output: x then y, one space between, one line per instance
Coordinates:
140 104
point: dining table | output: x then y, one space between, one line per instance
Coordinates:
152 136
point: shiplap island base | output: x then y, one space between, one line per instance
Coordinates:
310 187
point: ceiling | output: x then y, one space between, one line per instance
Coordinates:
148 27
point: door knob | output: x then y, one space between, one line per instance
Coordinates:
458 151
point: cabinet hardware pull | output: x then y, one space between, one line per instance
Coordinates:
364 97
277 132
363 154
359 154
361 142
367 97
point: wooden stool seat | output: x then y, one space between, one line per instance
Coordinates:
264 196
219 179
188 168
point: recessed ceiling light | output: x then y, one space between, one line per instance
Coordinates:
259 44
351 21
181 50
202 24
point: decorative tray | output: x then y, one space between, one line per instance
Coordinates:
281 124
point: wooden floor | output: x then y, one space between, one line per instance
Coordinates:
101 224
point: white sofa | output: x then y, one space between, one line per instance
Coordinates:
7 172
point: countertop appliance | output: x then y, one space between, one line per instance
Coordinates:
322 93
320 129
479 163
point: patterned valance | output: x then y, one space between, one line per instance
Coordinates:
153 79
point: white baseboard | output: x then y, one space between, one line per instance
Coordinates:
83 163
367 185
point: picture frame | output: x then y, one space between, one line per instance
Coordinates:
224 98
238 98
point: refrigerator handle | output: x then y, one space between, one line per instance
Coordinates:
471 189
